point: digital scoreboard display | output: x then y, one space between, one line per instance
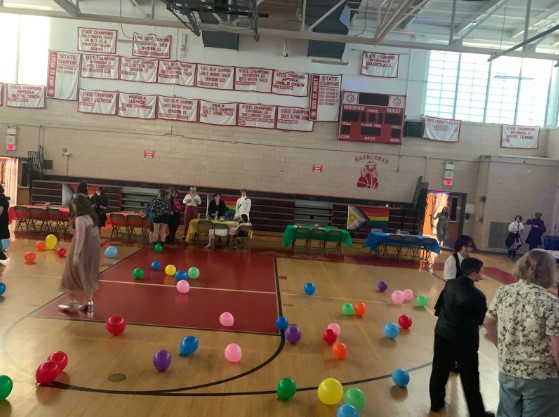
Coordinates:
369 117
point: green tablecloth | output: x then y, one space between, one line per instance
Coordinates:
289 234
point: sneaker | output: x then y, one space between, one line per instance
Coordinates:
2 256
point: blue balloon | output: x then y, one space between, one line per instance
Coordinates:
188 345
111 252
310 288
401 377
155 266
391 330
181 275
282 323
2 288
347 410
5 244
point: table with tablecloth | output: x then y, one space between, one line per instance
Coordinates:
289 234
193 227
376 238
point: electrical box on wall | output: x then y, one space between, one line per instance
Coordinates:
11 135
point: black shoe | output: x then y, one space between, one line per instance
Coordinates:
2 256
436 408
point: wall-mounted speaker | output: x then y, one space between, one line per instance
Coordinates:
413 129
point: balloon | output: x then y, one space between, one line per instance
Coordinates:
6 386
60 358
405 321
51 240
347 410
282 323
233 353
391 330
401 377
286 388
348 309
111 252
355 397
382 286
170 270
116 325
421 300
226 319
40 246
61 252
360 309
193 272
30 257
138 273
397 297
181 275
47 372
50 245
158 248
336 327
330 391
2 288
183 286
162 360
339 350
293 334
155 266
329 336
5 244
310 288
188 345
408 294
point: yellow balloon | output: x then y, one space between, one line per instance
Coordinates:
330 391
170 270
52 240
50 245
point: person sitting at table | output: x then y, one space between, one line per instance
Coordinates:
216 206
243 205
234 231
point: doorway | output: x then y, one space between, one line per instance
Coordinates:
456 203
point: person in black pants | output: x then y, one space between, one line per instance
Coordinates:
4 221
460 308
174 218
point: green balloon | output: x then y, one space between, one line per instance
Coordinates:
348 309
355 397
158 248
421 300
6 385
286 388
193 272
138 273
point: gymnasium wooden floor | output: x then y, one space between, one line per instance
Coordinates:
205 384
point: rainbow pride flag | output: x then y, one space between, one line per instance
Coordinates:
366 218
230 202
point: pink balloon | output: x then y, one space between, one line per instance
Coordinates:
226 319
336 328
183 286
408 294
397 297
233 353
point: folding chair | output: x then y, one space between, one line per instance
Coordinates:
56 220
319 236
120 228
204 227
38 214
242 239
425 252
146 228
392 241
220 230
134 221
23 216
410 247
301 234
336 237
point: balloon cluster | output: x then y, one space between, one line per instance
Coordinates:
398 297
49 370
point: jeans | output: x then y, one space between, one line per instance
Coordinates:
520 397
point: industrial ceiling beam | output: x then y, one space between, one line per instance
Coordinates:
476 20
392 20
547 16
411 16
69 7
527 41
325 15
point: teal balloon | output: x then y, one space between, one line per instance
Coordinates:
188 346
422 300
391 330
6 386
2 288
158 248
138 273
401 377
347 410
355 397
193 272
348 309
286 388
111 252
5 244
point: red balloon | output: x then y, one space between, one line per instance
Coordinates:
329 336
360 309
60 358
40 245
405 321
47 372
116 325
61 252
339 350
30 257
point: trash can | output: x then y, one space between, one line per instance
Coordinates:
551 243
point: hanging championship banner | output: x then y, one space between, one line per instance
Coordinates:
151 45
1 94
177 108
138 106
325 97
215 76
256 115
102 41
25 96
294 118
63 75
253 79
442 130
380 65
290 83
176 72
100 66
520 137
98 102
218 113
138 69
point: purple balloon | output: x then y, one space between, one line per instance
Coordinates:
293 334
162 360
382 286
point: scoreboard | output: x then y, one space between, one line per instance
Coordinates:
369 117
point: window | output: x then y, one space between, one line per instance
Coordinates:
472 87
503 90
534 89
441 84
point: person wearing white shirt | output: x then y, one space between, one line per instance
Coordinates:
192 200
514 238
243 205
462 249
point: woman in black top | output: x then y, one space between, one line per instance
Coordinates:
100 202
216 206
4 220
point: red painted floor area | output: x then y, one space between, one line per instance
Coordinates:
495 273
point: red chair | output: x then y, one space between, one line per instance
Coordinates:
38 214
23 215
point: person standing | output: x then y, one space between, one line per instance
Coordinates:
534 238
514 238
161 210
192 200
100 202
174 219
460 309
4 221
243 205
462 249
523 323
442 225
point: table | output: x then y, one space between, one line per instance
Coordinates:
193 226
374 238
289 234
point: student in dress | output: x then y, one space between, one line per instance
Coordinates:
243 205
216 207
514 238
442 224
174 219
462 249
534 238
4 221
234 231
192 200
161 210
100 202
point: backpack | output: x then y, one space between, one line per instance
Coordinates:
148 210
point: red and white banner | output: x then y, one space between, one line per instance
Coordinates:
380 65
521 137
138 69
25 96
325 97
294 118
102 41
98 102
443 130
215 76
256 115
1 94
177 108
218 113
151 46
176 72
63 75
290 83
137 106
253 79
100 66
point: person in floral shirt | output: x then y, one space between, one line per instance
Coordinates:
523 322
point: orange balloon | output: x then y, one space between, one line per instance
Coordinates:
40 245
339 350
360 309
30 257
